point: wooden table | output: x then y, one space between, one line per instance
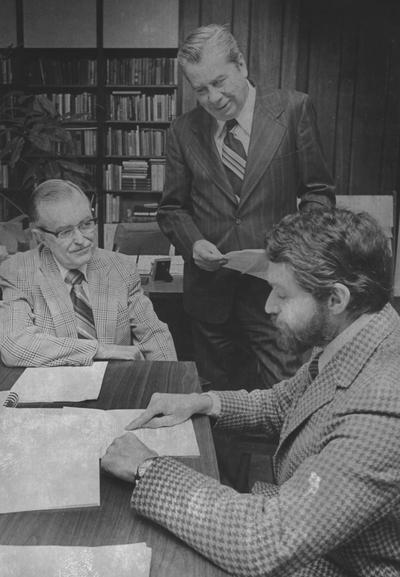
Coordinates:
126 385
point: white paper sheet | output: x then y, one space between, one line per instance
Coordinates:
60 384
47 460
249 261
177 441
132 560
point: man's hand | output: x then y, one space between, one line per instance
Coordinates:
120 352
166 410
124 456
206 255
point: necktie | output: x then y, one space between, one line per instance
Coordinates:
234 157
83 310
313 367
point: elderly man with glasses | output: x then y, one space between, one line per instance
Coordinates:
67 302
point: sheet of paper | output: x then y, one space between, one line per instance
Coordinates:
60 384
132 560
47 460
177 441
249 261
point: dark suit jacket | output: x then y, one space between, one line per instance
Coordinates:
285 160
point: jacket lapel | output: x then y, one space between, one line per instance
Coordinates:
202 146
268 130
103 288
56 295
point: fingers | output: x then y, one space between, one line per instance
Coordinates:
142 420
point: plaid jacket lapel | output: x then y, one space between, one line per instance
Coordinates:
104 288
55 293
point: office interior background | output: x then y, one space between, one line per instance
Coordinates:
345 54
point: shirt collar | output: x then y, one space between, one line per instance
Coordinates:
245 117
63 270
342 338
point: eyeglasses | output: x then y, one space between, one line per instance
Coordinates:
86 227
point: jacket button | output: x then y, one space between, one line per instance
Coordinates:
238 220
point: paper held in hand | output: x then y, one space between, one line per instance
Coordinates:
252 261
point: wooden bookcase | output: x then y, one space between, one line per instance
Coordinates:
122 97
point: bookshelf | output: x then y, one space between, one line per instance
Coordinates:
117 99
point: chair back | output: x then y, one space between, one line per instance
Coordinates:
140 238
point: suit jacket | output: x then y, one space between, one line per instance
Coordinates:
37 319
285 160
336 510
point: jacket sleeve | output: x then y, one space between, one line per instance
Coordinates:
149 334
316 183
22 344
331 497
175 210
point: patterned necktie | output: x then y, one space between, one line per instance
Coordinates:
313 369
83 310
234 157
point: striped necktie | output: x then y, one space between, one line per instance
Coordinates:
234 157
83 310
313 369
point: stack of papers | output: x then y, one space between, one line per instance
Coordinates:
120 560
49 458
60 384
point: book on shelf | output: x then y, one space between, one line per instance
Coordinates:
142 107
145 70
62 71
140 141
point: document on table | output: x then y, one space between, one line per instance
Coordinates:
177 441
60 384
132 560
47 460
251 261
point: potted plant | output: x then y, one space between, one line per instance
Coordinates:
35 143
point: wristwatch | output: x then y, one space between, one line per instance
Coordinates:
141 470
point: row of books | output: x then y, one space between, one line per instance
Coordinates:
136 142
72 104
141 107
74 71
136 176
146 70
6 71
83 142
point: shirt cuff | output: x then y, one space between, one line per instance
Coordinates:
215 409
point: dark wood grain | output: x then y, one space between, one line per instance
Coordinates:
125 385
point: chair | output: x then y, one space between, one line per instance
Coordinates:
140 238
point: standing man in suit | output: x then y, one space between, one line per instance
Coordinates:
67 302
335 511
235 166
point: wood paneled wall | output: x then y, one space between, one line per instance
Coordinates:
345 54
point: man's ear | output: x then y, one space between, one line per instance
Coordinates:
37 234
339 298
242 65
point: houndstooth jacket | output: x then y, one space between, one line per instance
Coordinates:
37 320
336 509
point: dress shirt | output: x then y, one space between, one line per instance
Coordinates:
244 120
326 355
83 269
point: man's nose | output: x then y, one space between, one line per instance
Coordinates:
271 305
214 95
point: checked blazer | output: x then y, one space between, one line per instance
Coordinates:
284 160
335 511
37 319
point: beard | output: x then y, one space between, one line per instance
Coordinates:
316 331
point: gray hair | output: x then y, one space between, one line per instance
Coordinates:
217 35
51 190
